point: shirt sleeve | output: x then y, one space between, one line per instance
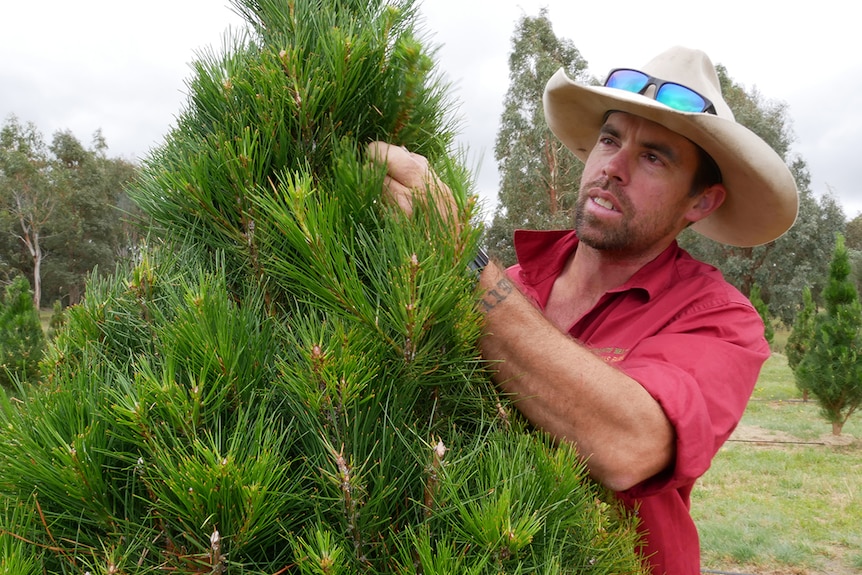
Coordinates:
702 370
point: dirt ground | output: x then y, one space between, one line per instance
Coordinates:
833 569
755 434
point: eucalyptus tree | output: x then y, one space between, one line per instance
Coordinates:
64 210
801 336
28 193
96 226
539 177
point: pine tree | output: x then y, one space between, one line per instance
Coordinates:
801 337
22 341
289 381
832 367
539 176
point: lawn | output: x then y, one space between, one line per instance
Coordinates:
45 319
784 495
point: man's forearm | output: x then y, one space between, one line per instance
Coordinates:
562 388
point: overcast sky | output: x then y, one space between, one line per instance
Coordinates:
121 66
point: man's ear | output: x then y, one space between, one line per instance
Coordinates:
707 202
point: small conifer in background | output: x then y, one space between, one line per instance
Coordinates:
58 319
22 341
831 369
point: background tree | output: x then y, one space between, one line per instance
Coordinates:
65 210
539 177
853 241
291 381
801 336
28 193
784 267
853 234
760 306
831 369
22 342
97 225
57 321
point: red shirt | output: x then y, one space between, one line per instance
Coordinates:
693 341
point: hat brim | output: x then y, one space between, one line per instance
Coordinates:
762 201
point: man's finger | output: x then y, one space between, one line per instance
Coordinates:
410 170
397 193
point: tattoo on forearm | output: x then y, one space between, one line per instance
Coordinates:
496 296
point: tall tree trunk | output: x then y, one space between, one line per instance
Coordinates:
551 162
30 237
37 273
31 221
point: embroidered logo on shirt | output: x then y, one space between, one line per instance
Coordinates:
610 354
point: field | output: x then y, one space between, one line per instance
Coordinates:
783 495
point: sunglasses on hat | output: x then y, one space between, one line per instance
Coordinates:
670 94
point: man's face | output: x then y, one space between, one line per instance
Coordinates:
634 197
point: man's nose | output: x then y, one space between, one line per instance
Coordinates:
617 166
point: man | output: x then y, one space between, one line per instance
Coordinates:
611 336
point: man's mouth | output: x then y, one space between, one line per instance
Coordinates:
607 204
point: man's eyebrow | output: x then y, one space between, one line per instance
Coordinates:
663 150
608 130
667 152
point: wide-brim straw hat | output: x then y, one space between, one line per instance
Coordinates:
762 200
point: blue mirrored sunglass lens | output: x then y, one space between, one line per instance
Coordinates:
680 98
629 80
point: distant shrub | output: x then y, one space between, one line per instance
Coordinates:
58 319
22 341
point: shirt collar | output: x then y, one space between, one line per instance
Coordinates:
542 254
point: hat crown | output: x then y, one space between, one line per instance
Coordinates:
693 69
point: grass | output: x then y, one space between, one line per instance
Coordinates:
793 506
45 319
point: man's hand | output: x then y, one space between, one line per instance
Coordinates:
409 180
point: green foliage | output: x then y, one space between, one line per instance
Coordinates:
539 177
763 310
63 209
22 341
853 233
802 336
58 319
95 225
856 267
766 118
289 379
832 367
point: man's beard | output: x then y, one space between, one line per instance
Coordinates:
626 235
597 234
